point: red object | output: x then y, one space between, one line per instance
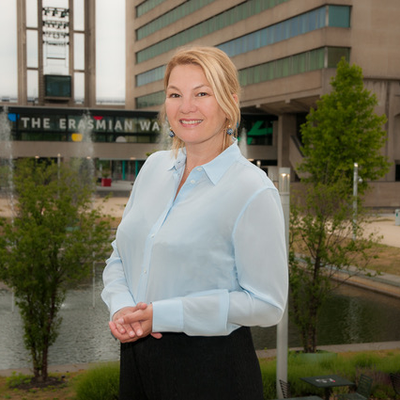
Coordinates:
105 181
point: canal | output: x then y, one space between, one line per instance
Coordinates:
351 315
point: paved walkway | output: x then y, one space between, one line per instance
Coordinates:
385 226
338 348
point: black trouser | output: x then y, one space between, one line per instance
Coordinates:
181 367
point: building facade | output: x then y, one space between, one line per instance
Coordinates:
286 52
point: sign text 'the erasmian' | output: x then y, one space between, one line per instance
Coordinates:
79 124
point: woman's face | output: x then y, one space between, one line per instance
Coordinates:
192 109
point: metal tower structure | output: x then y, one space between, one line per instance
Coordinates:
56 53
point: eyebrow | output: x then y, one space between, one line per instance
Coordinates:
195 88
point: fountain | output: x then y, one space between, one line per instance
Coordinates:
164 141
7 173
243 142
6 160
83 160
85 165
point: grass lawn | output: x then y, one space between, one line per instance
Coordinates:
61 391
376 364
387 259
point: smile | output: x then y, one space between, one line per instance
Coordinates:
190 121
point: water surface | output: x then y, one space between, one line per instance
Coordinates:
351 315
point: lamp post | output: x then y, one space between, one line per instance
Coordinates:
355 193
283 326
58 166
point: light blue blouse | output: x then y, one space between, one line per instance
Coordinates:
210 260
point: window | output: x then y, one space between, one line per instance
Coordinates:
153 99
229 17
170 17
335 54
146 6
152 75
57 86
287 66
339 16
284 30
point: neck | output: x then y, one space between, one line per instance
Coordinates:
196 155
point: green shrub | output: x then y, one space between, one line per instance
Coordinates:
16 380
99 383
366 360
268 373
374 364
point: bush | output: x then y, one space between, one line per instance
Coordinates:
377 365
268 373
99 383
102 382
16 380
366 360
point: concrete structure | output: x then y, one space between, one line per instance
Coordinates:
59 40
286 52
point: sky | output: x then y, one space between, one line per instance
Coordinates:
110 46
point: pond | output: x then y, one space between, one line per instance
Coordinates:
351 315
84 334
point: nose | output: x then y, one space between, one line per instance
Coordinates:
188 104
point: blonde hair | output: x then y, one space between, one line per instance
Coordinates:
222 75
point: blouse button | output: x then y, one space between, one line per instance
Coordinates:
192 181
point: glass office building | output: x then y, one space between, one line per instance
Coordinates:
286 52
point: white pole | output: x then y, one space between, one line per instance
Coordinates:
58 173
94 284
12 301
283 326
58 165
355 193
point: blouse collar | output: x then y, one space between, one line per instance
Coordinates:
217 167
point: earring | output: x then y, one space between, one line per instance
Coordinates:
171 132
229 131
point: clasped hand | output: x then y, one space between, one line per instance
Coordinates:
132 323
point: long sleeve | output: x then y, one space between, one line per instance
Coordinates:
261 259
117 292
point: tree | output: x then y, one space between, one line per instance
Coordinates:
341 131
50 243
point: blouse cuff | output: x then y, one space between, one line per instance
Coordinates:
117 301
168 315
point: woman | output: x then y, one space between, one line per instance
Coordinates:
199 255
